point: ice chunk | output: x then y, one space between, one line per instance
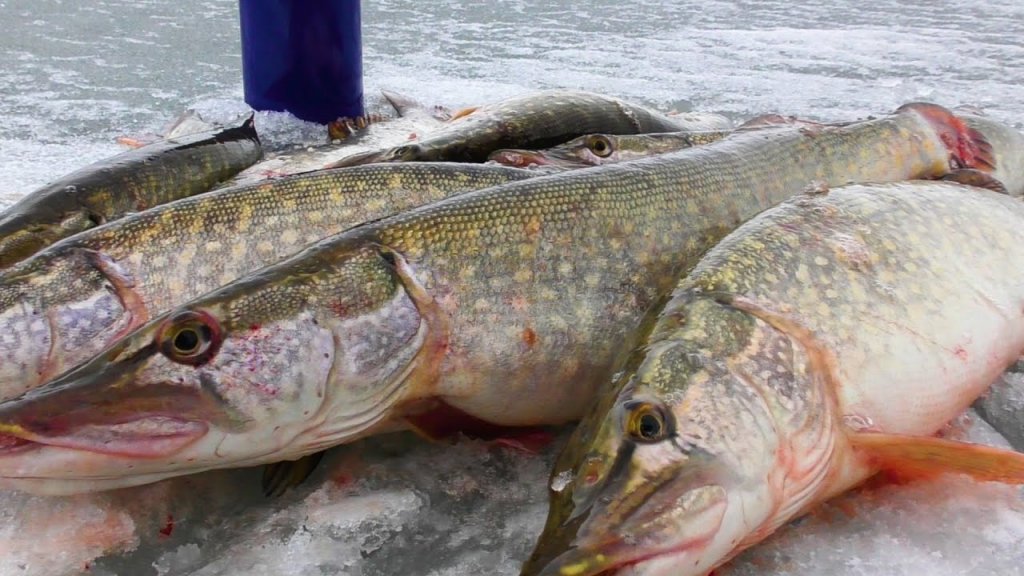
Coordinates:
1003 405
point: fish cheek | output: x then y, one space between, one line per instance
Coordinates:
275 372
25 342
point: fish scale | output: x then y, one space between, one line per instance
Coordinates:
527 296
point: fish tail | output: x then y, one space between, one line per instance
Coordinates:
968 148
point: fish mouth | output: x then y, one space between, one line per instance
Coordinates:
617 557
520 158
605 551
146 436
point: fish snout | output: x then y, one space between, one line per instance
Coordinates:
673 522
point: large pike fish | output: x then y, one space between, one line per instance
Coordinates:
129 182
505 306
73 299
826 339
537 120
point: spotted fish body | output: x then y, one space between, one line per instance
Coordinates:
70 301
598 149
538 120
826 338
129 182
508 304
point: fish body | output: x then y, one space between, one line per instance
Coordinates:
598 149
129 182
73 299
825 339
508 305
536 120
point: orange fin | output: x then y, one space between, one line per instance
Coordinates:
463 112
345 127
921 455
977 178
967 147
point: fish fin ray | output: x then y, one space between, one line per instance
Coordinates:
976 178
924 455
280 477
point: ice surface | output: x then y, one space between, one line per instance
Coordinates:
76 75
1003 406
397 505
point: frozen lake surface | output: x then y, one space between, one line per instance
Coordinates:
76 75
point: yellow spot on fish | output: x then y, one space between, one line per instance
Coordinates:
12 429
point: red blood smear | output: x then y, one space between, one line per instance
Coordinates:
168 526
7 441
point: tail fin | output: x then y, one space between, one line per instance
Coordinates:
405 104
968 148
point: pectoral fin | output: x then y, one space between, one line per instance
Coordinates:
920 455
280 477
977 178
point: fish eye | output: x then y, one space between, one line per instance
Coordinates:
600 146
648 422
191 338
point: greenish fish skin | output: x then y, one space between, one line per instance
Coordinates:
510 304
598 149
880 308
537 120
129 182
73 299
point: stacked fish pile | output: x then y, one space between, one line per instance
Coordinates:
748 320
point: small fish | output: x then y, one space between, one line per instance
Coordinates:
598 149
826 339
507 305
538 120
129 182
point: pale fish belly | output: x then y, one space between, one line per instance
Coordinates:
914 377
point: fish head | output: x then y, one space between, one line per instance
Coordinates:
258 371
590 150
667 476
57 309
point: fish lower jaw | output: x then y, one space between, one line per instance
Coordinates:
144 437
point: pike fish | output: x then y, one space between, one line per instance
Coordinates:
502 307
129 182
538 120
826 339
597 149
70 301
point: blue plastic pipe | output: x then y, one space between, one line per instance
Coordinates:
303 56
